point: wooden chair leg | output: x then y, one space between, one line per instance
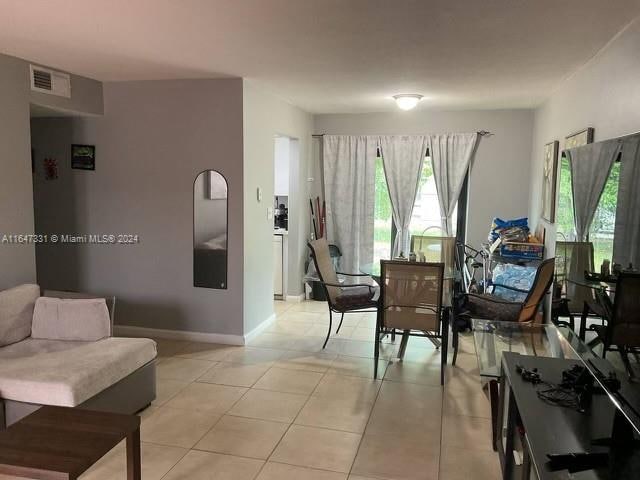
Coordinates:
341 319
329 331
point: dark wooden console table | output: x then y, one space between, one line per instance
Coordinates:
530 428
59 443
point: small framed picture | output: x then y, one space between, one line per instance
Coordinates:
83 157
549 175
578 139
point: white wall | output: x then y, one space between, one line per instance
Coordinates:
152 142
266 116
17 262
604 94
499 184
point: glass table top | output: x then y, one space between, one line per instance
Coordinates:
492 338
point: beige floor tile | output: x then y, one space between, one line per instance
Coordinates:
317 448
348 388
206 351
178 428
398 457
425 354
169 348
147 412
314 345
473 404
365 334
320 330
267 405
290 328
244 437
280 471
410 372
349 415
157 460
461 380
254 356
467 362
272 340
459 431
407 409
166 389
311 362
234 374
357 348
289 381
310 306
356 367
295 316
473 464
183 369
198 465
207 397
280 306
358 477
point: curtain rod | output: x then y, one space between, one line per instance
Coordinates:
482 133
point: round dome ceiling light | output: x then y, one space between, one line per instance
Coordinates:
407 101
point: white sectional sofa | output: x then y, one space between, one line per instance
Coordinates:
112 374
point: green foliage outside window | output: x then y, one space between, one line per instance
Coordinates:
603 225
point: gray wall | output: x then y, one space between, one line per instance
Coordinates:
152 142
604 94
266 116
16 197
499 184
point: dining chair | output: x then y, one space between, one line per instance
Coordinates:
572 260
622 331
342 297
411 303
490 307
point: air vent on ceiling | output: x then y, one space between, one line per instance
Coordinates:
48 81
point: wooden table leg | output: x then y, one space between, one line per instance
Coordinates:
133 456
494 398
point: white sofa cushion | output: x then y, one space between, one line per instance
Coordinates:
16 312
71 319
49 372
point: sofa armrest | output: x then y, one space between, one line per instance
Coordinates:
110 300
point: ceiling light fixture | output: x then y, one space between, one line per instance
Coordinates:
407 101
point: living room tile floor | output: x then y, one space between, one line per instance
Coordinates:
284 409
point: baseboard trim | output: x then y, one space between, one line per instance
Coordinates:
132 331
259 329
295 298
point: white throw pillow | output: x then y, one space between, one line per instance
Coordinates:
16 312
71 319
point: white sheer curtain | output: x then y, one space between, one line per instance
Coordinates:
626 240
590 167
349 164
402 157
451 155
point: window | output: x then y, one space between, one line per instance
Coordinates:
383 216
426 210
604 220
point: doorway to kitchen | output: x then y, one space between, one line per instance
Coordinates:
286 195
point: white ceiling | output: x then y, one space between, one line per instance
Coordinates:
326 55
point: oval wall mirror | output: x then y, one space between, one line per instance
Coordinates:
210 230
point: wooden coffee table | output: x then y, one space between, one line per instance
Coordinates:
60 443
